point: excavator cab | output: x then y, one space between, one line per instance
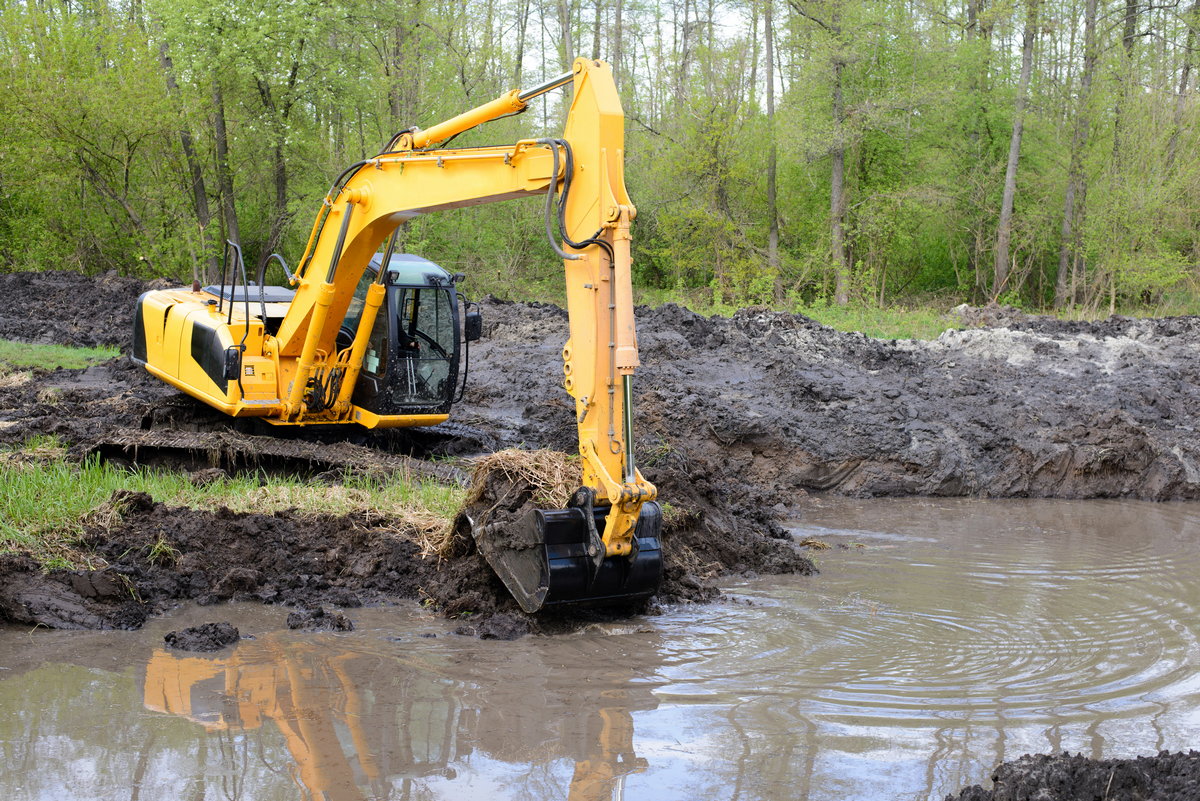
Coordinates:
418 341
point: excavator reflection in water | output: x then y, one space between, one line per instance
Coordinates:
351 739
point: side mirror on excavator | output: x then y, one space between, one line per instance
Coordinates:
472 325
233 363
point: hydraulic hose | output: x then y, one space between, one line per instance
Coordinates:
554 144
595 239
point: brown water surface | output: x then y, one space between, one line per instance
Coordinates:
961 634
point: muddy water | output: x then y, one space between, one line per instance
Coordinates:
960 634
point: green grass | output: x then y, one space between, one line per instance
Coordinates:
47 500
898 322
890 323
50 357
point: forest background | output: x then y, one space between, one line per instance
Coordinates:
802 154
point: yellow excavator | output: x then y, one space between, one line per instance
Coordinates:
370 337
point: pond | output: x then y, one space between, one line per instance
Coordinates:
941 638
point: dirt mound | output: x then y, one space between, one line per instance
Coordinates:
206 637
94 599
158 555
1166 777
746 414
66 308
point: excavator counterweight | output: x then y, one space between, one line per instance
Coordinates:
371 337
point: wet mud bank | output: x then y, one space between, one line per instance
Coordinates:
1165 777
156 556
764 406
737 420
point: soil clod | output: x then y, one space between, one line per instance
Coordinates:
319 619
204 638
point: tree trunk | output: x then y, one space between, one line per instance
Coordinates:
1128 37
618 53
772 211
1004 229
1069 251
564 28
199 191
279 216
596 31
685 52
522 27
979 135
224 174
753 85
837 182
1193 19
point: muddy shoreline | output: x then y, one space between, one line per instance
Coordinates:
737 420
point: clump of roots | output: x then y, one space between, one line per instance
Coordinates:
505 481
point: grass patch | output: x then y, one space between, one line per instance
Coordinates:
896 322
47 501
889 323
51 357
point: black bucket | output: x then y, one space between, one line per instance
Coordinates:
547 563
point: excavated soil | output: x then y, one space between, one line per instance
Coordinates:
204 638
59 307
759 408
737 419
1166 777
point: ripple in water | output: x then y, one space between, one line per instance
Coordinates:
987 613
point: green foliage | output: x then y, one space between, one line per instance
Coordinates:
95 173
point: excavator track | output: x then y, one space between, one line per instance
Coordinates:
237 452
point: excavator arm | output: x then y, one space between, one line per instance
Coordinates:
586 167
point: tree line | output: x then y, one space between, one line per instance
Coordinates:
782 152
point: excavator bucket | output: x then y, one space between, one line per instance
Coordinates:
555 556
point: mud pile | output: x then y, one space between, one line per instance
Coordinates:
1166 777
755 410
61 307
204 638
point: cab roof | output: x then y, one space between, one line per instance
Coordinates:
407 269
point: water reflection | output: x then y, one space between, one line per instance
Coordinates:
964 634
353 732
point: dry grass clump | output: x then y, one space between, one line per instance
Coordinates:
11 378
549 476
